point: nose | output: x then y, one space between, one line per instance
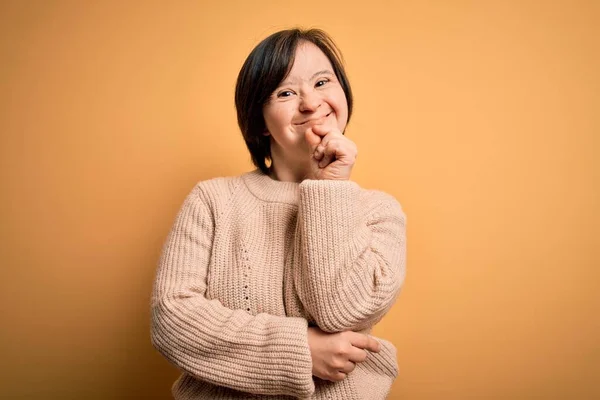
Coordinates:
310 101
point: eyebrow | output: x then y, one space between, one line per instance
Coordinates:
322 72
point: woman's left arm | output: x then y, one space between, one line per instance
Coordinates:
352 252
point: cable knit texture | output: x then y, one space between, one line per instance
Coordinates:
251 262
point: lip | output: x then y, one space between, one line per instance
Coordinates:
313 119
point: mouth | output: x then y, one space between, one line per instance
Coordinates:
313 120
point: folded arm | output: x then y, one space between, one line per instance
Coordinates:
262 354
352 250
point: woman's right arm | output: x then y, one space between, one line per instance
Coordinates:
262 354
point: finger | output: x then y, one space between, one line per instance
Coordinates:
373 345
323 130
332 134
312 139
337 376
349 367
357 355
330 151
319 150
325 161
364 342
318 154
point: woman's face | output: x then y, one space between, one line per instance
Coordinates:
309 95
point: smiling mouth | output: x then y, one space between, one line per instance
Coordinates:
314 119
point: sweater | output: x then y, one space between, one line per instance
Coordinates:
251 262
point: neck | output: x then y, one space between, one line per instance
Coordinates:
289 168
286 174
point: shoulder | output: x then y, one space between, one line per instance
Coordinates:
222 186
216 191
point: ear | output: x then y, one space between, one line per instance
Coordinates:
266 133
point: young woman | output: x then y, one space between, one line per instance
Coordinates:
269 282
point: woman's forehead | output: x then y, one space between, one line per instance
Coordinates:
309 63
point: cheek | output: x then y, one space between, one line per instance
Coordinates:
277 117
340 101
341 105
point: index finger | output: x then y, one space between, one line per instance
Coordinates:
365 342
312 139
323 129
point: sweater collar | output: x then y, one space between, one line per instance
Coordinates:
268 189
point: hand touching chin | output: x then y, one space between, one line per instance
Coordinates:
332 155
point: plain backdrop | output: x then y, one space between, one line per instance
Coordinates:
480 117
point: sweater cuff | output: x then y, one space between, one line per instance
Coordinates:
331 208
290 343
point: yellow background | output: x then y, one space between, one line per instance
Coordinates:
482 118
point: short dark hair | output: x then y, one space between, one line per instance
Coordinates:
265 68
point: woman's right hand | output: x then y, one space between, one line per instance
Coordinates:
334 355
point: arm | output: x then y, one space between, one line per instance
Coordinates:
262 354
352 253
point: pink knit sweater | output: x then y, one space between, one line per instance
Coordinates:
250 262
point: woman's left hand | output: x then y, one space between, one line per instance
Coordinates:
332 154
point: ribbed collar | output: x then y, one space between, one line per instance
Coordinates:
268 189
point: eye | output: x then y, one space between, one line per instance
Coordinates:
285 93
321 82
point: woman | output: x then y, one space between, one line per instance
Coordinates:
270 282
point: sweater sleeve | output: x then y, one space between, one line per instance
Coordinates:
262 354
352 253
